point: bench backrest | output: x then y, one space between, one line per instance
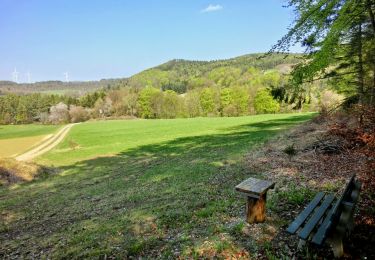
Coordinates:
348 199
340 217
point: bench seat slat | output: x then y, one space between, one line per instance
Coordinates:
314 220
305 213
321 234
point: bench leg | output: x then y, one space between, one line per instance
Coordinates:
351 222
256 209
337 246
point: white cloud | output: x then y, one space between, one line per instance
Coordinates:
211 8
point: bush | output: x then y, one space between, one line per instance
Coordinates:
59 114
330 100
171 104
102 107
78 114
207 102
148 102
44 117
230 110
192 103
264 102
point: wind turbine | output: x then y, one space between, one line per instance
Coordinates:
66 74
15 75
28 75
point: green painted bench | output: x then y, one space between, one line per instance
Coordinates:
326 219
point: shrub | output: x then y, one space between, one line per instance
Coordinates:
171 104
264 102
207 102
290 150
330 100
147 102
59 114
78 114
192 104
230 110
103 107
44 117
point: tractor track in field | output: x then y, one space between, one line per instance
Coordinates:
46 145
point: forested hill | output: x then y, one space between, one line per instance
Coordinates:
243 62
178 75
183 75
235 87
55 87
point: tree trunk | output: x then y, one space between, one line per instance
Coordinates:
371 14
369 5
360 65
360 73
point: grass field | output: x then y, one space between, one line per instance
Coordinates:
16 139
93 139
159 188
16 131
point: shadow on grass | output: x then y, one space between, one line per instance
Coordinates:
156 200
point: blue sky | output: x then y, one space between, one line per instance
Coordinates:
95 39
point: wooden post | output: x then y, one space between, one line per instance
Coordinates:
256 209
255 191
335 240
337 246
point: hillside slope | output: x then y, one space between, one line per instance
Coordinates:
176 74
54 87
183 75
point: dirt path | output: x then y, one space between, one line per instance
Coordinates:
46 145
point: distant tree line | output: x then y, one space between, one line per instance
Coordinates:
224 92
74 88
147 103
177 89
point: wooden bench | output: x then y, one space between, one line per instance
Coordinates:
328 220
256 192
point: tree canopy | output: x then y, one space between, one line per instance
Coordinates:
178 88
338 37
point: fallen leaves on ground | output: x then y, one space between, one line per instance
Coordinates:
329 150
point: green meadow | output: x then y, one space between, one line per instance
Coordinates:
109 138
155 188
